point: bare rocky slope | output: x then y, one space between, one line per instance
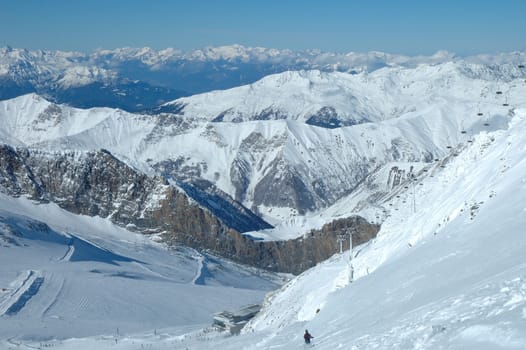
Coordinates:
98 184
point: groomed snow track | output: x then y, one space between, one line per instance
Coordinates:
23 289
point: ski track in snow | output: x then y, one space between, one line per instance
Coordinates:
199 277
56 298
71 250
150 271
23 289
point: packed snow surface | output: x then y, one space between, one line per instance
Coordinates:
65 276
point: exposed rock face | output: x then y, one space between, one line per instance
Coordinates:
296 255
327 117
97 183
283 187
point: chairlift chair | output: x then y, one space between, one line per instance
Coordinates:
462 129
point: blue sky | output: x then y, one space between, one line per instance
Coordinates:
397 26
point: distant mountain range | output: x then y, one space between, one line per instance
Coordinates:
139 79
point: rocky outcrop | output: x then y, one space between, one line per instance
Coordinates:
293 256
99 184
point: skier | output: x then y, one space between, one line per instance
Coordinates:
307 337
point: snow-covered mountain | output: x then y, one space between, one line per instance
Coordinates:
299 149
262 144
446 273
433 155
70 77
338 99
138 79
446 270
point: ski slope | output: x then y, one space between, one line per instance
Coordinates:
64 276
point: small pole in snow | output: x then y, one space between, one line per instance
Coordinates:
351 267
413 180
341 239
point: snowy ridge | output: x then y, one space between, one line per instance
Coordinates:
32 120
383 94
